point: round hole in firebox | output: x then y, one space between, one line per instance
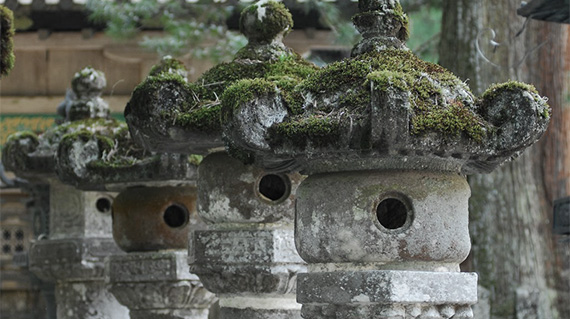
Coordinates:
176 216
393 213
103 205
274 187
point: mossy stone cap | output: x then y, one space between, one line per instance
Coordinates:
88 82
265 20
384 108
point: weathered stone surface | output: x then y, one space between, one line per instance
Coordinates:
238 193
158 285
387 287
78 214
95 162
335 224
247 255
87 300
72 259
380 311
155 218
245 261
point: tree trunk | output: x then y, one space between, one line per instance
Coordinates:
514 251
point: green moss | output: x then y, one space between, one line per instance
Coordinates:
205 119
244 91
385 79
350 80
399 15
167 65
450 120
22 135
195 159
320 130
264 27
7 57
497 89
400 66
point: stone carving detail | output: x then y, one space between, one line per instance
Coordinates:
181 294
411 311
158 284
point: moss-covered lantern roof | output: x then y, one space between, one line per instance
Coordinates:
383 108
33 156
167 113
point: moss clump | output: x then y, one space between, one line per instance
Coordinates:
384 79
7 57
168 65
400 66
283 74
22 135
320 130
496 89
450 120
96 125
263 23
346 85
244 91
204 119
223 75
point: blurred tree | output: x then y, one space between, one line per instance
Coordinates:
519 260
202 26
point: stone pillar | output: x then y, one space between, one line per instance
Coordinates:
247 255
73 256
153 280
389 247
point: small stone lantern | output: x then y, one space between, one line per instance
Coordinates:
79 237
246 255
386 139
152 216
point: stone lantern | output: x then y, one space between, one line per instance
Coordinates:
79 236
246 255
386 139
152 215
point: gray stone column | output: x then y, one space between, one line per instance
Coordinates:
388 246
153 280
247 255
73 256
